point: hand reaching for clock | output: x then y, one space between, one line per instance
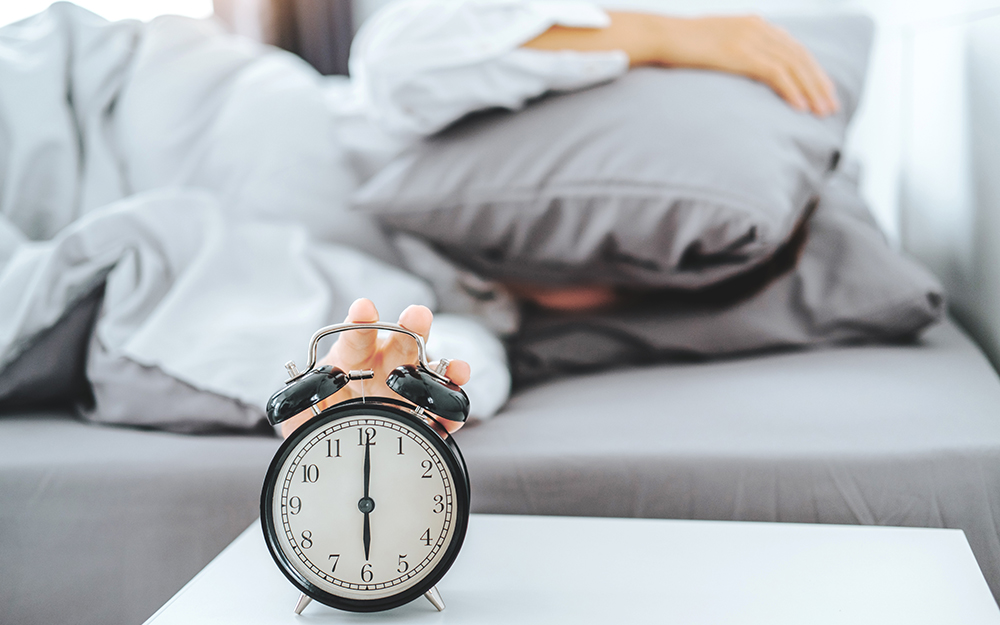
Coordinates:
362 349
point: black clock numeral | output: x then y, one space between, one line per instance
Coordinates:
295 504
366 573
426 537
400 452
403 564
307 539
427 464
366 436
330 448
310 473
336 558
438 504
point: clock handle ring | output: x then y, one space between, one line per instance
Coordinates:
344 327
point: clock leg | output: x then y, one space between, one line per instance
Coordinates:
303 602
435 598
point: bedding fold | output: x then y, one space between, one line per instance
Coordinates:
197 179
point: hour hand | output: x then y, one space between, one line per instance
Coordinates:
368 536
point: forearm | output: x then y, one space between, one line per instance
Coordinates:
641 36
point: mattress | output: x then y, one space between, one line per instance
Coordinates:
103 525
905 435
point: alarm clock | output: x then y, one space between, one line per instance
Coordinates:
365 506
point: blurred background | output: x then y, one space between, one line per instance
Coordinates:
14 10
926 132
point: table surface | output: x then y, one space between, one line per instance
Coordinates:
517 569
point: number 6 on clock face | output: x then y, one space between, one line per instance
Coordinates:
365 508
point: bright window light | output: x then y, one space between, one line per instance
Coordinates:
111 9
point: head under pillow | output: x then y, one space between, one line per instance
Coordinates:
665 178
847 286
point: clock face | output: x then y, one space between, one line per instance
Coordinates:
366 506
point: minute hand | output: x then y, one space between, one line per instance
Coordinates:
368 467
368 471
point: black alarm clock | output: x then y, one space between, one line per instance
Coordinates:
365 506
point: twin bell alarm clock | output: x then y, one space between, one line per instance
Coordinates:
365 506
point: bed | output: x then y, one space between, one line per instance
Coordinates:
102 524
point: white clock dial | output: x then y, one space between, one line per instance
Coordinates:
362 545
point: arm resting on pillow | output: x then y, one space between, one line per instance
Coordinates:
419 65
748 46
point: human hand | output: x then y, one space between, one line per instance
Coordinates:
362 349
746 45
753 47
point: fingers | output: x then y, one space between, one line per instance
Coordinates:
399 348
751 46
819 102
459 372
360 349
290 425
810 77
355 348
776 76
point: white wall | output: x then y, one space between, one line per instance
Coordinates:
951 192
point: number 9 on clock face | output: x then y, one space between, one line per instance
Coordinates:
365 507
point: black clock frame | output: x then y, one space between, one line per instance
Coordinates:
385 407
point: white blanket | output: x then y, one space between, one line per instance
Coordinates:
198 176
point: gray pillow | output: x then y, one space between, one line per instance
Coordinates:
837 281
663 178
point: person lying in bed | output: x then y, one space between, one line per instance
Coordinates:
748 46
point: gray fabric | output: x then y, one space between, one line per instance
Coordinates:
846 285
125 392
666 178
887 435
102 525
52 369
197 177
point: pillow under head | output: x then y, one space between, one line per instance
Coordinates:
663 178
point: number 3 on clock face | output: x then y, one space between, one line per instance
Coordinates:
365 511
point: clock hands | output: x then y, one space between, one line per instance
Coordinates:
368 467
367 504
368 535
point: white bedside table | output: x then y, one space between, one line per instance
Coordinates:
519 570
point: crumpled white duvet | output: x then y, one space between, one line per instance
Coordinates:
198 177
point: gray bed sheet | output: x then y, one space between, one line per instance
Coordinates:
905 435
103 525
